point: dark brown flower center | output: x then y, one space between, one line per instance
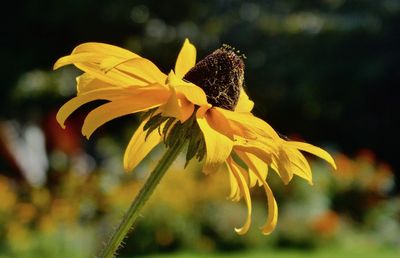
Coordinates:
221 76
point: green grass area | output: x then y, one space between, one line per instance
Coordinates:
328 253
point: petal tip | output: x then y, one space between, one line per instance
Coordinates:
240 231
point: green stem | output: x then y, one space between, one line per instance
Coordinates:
144 194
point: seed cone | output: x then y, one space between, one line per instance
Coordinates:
221 76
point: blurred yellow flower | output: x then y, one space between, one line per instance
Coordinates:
203 103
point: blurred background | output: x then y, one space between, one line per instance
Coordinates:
324 71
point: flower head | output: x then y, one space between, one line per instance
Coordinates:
203 104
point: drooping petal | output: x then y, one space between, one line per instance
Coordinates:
186 59
235 191
192 92
136 101
272 218
139 146
255 164
218 146
244 189
299 164
313 150
244 104
283 166
268 151
177 106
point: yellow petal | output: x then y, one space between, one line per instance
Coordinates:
221 125
73 104
269 151
83 57
177 106
87 82
104 49
112 76
135 101
218 146
313 150
235 191
254 164
263 150
192 92
272 218
283 166
248 124
139 68
299 164
113 65
139 147
186 59
244 189
244 104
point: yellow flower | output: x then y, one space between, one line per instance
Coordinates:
202 103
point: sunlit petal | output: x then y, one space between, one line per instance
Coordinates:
135 102
313 150
104 49
186 59
192 92
113 65
139 68
299 164
87 82
246 122
244 104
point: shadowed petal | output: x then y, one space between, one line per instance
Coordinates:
74 103
272 218
254 164
218 146
244 189
177 106
139 146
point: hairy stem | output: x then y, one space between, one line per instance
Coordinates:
134 210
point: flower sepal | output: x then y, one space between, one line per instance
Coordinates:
173 132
